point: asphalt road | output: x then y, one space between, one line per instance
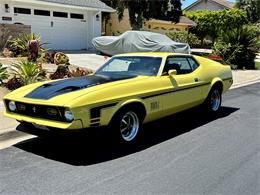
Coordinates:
187 153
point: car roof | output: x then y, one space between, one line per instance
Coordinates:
152 54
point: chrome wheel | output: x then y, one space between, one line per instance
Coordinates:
215 100
129 126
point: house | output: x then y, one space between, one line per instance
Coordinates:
115 26
210 5
162 26
63 24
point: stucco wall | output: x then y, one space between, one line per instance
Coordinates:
6 13
11 31
163 27
116 27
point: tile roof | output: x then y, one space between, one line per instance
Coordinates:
183 20
82 3
223 3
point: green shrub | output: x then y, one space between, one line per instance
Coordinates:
28 72
238 46
211 23
19 45
184 37
3 73
227 51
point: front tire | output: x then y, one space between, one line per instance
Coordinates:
126 125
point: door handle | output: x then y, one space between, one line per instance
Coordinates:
196 79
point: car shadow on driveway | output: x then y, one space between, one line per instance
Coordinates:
91 148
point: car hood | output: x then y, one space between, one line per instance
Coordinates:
63 91
50 90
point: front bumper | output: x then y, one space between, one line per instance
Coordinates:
76 124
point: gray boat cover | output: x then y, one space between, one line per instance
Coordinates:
138 41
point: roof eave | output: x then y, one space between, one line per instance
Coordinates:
64 5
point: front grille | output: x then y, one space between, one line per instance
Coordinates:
39 111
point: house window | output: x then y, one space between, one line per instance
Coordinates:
18 10
77 16
42 12
60 14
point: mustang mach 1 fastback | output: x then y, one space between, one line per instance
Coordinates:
128 90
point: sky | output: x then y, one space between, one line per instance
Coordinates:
186 3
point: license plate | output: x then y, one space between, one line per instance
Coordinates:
41 127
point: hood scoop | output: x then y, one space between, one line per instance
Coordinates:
50 90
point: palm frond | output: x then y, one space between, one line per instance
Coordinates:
27 71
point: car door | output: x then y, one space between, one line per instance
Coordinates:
182 90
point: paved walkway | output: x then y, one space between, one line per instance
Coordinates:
86 59
245 77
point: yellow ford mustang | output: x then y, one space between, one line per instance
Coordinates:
128 90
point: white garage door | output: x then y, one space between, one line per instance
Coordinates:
59 33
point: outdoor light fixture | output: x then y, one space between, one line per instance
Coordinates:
97 17
7 10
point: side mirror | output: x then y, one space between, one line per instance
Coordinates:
172 72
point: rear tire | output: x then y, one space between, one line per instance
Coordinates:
213 102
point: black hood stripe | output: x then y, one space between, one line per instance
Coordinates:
50 90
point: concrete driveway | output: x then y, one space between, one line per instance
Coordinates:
86 59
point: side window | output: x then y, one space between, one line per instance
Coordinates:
181 64
193 63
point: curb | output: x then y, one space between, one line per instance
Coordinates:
242 84
12 137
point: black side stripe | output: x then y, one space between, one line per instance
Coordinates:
174 90
96 111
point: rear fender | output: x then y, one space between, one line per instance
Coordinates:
214 81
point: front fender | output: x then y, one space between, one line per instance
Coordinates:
108 113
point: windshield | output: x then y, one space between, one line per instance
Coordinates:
133 65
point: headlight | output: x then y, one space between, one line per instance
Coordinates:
68 115
12 106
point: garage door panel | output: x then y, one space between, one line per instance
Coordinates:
60 33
